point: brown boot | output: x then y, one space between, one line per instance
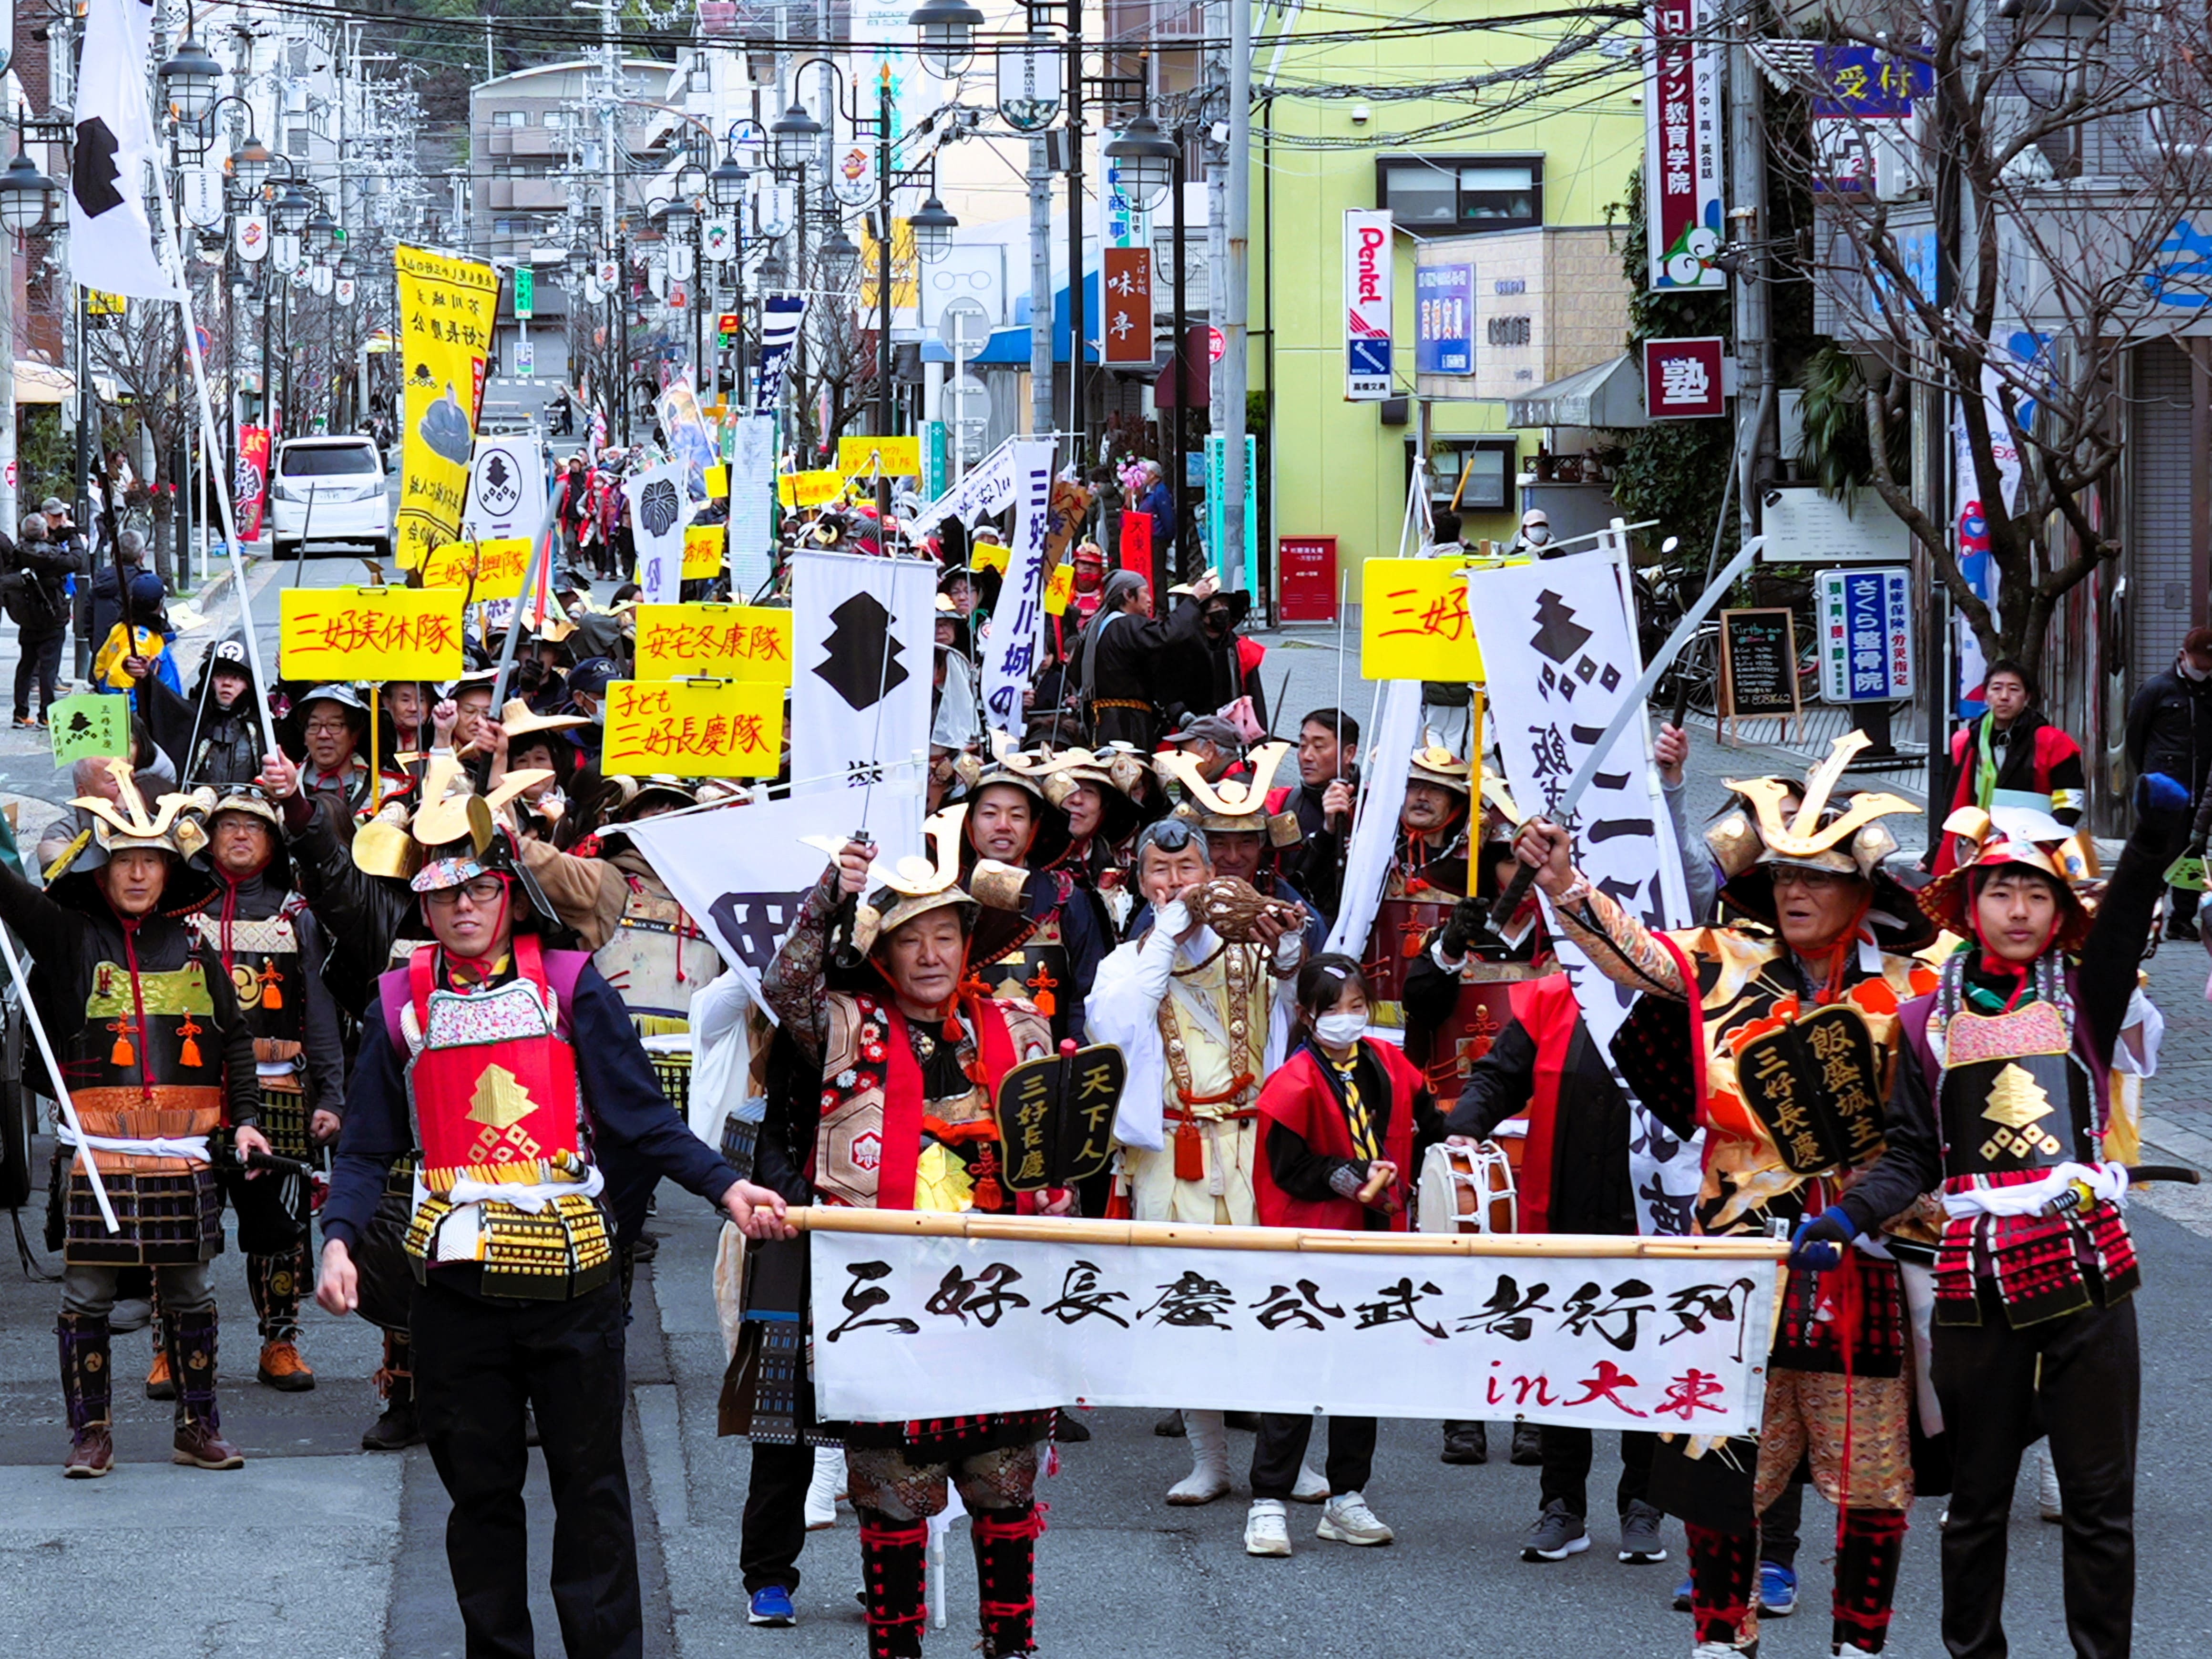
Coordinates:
283 1369
85 1394
199 1444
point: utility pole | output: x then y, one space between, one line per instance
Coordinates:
1041 398
1748 173
1231 312
1077 354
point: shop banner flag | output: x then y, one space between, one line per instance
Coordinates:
864 634
111 240
250 484
446 311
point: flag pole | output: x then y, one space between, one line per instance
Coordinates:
209 441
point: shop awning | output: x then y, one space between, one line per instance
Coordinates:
41 383
1609 395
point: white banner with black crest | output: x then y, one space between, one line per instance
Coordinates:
1010 655
658 511
863 654
1558 645
111 240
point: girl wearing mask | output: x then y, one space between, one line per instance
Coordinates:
1341 1125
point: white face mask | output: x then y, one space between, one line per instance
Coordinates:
2189 668
1340 1030
1538 534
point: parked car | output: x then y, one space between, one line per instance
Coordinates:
329 492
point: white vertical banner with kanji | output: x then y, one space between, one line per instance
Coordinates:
1010 655
1558 646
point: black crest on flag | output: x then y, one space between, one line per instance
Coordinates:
93 174
863 663
755 924
657 505
1558 635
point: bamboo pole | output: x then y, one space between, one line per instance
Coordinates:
1057 1230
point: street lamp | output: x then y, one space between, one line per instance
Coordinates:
249 164
289 211
27 195
189 79
1147 158
676 217
840 257
726 185
347 269
322 230
771 273
794 136
932 228
948 35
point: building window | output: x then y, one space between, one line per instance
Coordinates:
554 119
510 118
524 227
1439 195
1487 465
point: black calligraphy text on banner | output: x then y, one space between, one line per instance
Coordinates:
1816 1084
1056 1115
908 1326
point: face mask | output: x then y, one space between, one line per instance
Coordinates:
2192 669
1537 535
1340 1030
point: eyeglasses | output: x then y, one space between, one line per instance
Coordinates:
482 893
327 728
1794 875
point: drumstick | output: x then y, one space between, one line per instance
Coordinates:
1373 1187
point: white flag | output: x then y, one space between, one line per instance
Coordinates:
752 492
863 654
658 514
110 245
1009 661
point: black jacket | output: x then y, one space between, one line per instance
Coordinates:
51 564
1591 1191
2170 728
146 595
209 744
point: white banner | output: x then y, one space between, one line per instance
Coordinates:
852 171
910 1327
1682 138
658 514
752 495
111 241
1370 283
507 489
988 487
1566 655
864 634
203 190
747 905
1017 620
1382 781
253 237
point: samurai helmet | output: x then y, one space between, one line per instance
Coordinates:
177 825
1234 805
396 843
1434 763
248 801
913 886
2006 837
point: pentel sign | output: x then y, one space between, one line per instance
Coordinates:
1368 279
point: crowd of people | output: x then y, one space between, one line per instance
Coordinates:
388 963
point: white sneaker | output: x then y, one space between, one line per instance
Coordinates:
2047 1502
827 1486
1267 1528
1347 1520
1209 1478
1311 1488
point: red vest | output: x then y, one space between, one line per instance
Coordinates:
1299 1098
1547 1011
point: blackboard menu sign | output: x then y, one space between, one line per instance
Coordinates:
1759 664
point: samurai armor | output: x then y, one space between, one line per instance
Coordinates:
1481 1011
285 1116
562 1250
166 1220
190 1338
894 1568
1005 1542
657 960
87 1388
1401 925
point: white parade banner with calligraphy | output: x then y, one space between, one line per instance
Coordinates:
1017 630
1559 647
912 1327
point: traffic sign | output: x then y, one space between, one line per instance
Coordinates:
964 328
1217 345
525 357
525 291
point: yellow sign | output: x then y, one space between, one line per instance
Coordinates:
98 302
1059 588
856 457
718 480
809 489
446 311
495 567
989 556
369 633
694 729
703 545
1412 620
728 641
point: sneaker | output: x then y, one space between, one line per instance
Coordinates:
282 1369
1777 1590
2048 1503
197 1445
1267 1528
395 1430
160 1385
1640 1543
25 723
1169 1426
1558 1533
1345 1519
1311 1488
1527 1446
1465 1443
91 1453
1682 1594
2176 926
771 1606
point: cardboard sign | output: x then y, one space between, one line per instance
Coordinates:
726 642
1059 588
795 490
703 547
1413 620
495 567
856 457
89 726
694 729
349 634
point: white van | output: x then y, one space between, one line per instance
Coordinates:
329 491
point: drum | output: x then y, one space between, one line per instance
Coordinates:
1467 1189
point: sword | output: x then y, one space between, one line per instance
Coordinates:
1632 707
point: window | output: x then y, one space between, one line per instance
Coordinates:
555 120
1487 465
1439 195
523 227
510 118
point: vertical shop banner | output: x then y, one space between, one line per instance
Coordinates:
1017 621
1977 564
1865 623
864 633
1128 319
446 311
752 495
781 317
658 512
1443 320
1682 139
250 488
1368 291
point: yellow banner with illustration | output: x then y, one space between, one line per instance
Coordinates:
446 309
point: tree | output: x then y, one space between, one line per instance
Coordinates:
2006 245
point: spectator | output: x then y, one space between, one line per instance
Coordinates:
1119 654
2169 731
1157 502
1535 536
2012 756
40 608
127 574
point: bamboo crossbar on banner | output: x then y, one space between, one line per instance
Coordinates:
1059 1229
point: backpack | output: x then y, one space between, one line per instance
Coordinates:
23 599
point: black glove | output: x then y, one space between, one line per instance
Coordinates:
1469 917
1818 1244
